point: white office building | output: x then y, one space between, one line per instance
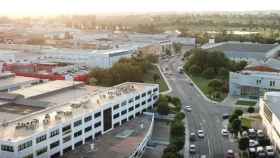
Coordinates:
48 120
270 114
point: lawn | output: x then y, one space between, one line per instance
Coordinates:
246 122
148 78
202 83
246 102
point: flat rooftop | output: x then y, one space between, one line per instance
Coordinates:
61 105
272 75
6 83
244 47
118 143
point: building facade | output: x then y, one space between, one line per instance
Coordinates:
252 84
270 114
51 132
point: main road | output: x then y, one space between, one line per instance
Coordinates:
205 115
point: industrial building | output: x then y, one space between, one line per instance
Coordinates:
251 52
48 120
10 82
254 83
270 114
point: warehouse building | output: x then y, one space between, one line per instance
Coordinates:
51 119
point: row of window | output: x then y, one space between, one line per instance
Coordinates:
271 83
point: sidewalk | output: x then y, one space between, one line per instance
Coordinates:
165 80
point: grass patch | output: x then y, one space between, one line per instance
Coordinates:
246 122
202 83
148 78
246 102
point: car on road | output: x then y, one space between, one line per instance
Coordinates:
229 154
203 156
200 133
225 116
192 149
188 108
260 134
252 133
225 132
192 136
269 151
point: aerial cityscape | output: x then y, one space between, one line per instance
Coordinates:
139 79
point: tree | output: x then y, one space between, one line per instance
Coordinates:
215 84
156 77
179 142
238 112
236 126
243 143
194 69
177 129
163 108
180 116
209 73
169 155
177 47
223 72
251 109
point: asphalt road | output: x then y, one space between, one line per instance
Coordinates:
204 115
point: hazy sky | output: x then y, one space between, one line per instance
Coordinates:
51 7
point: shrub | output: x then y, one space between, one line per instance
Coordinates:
223 72
194 69
251 110
180 116
215 84
163 108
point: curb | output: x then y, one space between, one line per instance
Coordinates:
165 80
201 93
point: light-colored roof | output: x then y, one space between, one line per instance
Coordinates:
15 81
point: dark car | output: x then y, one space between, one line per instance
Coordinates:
192 136
225 116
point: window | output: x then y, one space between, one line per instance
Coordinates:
98 124
259 82
77 134
267 113
116 106
130 100
149 92
131 109
66 139
143 102
54 133
25 145
77 123
89 118
156 89
66 129
41 138
155 97
137 97
7 148
271 83
96 115
87 129
54 144
143 94
41 151
137 106
124 112
149 100
116 115
124 103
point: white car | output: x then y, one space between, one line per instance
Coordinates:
269 151
224 132
200 133
192 148
188 108
253 143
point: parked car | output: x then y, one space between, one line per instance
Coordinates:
192 136
260 152
260 134
224 132
225 116
192 149
200 133
269 151
253 143
252 152
203 156
252 133
230 154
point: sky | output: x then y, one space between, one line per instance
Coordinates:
55 7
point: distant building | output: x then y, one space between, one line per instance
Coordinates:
270 116
51 119
247 51
9 82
